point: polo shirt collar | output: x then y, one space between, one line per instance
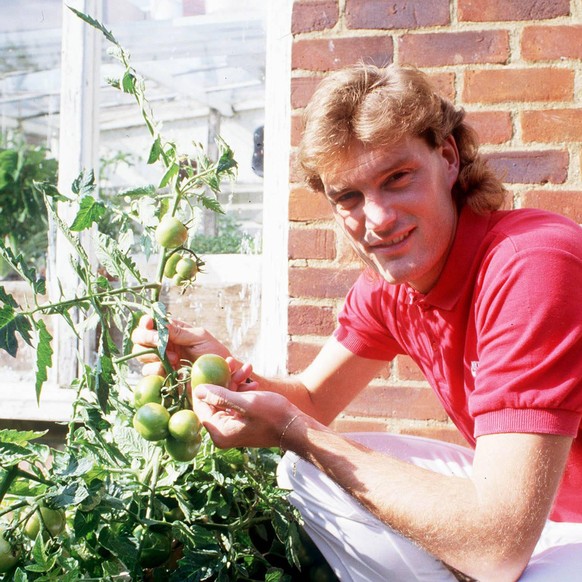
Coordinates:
471 230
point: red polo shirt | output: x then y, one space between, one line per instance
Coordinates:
499 337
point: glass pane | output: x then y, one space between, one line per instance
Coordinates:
203 62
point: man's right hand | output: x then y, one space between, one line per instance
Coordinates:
185 344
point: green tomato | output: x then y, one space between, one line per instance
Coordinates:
171 233
183 451
155 547
170 266
210 369
148 389
187 267
178 280
53 522
151 421
9 554
184 425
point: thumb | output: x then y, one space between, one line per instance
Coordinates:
220 398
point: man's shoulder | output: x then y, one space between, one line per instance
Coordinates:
525 228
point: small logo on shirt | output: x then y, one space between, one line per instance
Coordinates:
474 368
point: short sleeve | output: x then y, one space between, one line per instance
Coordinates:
363 321
529 325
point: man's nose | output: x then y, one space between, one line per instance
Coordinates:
379 213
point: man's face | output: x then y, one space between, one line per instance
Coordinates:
396 207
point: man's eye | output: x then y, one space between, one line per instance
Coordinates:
397 177
346 199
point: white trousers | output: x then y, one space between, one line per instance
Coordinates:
360 548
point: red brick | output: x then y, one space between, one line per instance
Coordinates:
566 202
447 433
405 368
493 127
500 85
530 167
311 320
296 129
454 48
302 89
502 10
397 402
312 15
312 243
334 53
374 14
346 424
545 43
305 205
300 355
552 125
444 84
320 282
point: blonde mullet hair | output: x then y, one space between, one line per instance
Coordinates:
379 106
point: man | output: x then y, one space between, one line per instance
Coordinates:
485 301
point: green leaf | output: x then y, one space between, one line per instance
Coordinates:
211 203
95 24
117 263
159 313
173 170
10 325
20 436
128 82
90 211
84 184
44 356
155 151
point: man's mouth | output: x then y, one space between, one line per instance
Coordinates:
391 242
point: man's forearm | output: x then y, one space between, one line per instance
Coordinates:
448 516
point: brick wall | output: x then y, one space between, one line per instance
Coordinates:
515 66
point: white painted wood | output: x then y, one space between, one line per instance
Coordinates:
78 147
273 338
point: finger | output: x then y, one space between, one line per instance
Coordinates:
220 398
145 337
147 322
143 358
153 369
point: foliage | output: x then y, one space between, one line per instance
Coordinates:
229 238
221 514
23 215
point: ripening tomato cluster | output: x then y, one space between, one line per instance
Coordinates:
179 430
180 267
50 523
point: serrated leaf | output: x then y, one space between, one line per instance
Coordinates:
128 82
117 263
20 436
173 171
10 325
95 24
160 316
155 151
211 203
44 357
84 183
141 191
90 211
7 298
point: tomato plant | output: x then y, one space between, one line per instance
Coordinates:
9 554
121 476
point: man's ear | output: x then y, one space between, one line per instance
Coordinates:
450 154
